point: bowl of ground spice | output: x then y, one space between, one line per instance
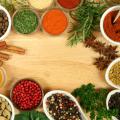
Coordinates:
5 23
110 29
61 105
41 4
113 102
112 74
69 4
25 21
54 21
26 94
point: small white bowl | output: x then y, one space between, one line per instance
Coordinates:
9 25
107 74
65 93
10 103
114 8
108 98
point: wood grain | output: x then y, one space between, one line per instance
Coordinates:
53 64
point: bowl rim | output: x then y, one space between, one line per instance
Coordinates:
26 8
107 74
43 9
65 93
113 8
29 79
4 75
66 9
12 107
42 17
108 98
9 25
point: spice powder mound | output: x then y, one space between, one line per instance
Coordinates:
114 74
69 4
112 29
55 22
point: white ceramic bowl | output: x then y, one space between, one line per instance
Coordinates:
10 103
108 98
9 25
107 74
65 93
114 8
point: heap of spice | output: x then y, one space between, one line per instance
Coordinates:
114 74
111 28
55 21
114 103
40 4
27 94
5 109
25 21
3 23
61 107
69 4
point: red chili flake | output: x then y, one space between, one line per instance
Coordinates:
27 94
69 4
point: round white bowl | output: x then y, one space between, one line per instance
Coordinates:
4 77
10 103
65 93
9 25
108 98
114 8
107 74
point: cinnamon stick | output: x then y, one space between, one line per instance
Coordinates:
3 45
4 56
15 49
1 63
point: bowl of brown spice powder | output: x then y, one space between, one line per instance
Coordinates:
112 74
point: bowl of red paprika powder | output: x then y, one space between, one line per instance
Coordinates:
110 29
54 22
26 94
69 4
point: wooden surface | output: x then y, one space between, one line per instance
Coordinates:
53 64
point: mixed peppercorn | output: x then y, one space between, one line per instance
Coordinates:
61 107
27 94
3 23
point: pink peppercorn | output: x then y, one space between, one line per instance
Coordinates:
27 94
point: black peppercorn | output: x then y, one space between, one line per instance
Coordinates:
114 103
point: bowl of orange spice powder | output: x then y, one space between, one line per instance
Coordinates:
110 29
54 21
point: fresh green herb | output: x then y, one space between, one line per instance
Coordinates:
25 21
87 19
31 115
94 101
8 5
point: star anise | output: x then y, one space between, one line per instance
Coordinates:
102 62
108 52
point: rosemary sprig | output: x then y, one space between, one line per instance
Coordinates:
87 19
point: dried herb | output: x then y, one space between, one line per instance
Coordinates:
107 52
87 19
94 102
